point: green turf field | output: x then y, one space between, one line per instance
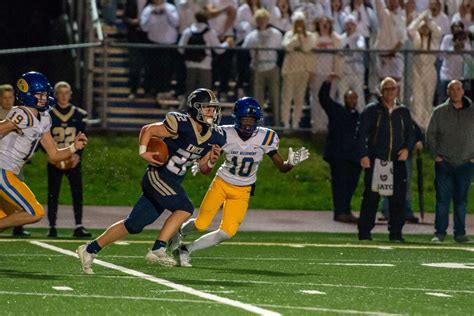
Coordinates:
286 273
113 171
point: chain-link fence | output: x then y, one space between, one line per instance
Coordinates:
285 83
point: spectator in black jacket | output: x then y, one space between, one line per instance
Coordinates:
385 136
341 150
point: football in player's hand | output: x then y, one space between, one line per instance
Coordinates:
65 164
159 148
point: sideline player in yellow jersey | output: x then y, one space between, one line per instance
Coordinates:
246 145
25 126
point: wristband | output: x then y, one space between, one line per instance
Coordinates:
210 164
72 148
141 149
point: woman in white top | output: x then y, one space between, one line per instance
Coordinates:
425 35
452 67
338 15
283 23
298 65
365 16
465 14
327 63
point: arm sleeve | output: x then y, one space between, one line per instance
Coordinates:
363 129
20 117
409 132
146 18
431 134
271 141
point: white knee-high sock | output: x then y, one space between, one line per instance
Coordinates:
188 227
208 240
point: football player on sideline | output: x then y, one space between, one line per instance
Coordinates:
25 126
189 137
246 144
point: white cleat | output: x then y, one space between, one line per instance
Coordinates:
161 257
86 259
183 258
175 241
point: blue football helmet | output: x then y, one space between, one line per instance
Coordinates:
200 98
31 83
244 107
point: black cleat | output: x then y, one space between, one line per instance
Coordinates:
81 232
52 233
19 231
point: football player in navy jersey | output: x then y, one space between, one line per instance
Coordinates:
247 143
67 121
190 137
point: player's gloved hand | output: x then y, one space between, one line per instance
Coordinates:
148 156
215 152
195 167
296 157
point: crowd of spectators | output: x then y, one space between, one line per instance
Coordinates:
388 25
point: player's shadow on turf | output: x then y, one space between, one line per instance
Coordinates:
12 274
251 271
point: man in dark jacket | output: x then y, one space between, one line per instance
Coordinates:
385 134
450 138
341 150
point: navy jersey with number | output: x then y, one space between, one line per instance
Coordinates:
162 185
66 124
187 144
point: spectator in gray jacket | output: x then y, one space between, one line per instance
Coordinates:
450 138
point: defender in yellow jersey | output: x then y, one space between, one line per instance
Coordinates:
25 126
246 145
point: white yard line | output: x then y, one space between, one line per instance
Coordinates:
322 309
338 285
274 244
160 299
179 287
87 296
62 288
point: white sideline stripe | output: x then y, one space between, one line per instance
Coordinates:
137 298
275 244
62 288
322 309
339 286
179 287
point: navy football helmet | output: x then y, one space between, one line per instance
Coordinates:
244 107
199 99
31 83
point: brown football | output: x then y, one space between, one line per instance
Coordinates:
65 164
159 148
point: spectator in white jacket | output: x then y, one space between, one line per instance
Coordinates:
266 73
198 61
353 74
161 21
297 67
425 35
326 64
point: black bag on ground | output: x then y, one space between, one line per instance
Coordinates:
196 54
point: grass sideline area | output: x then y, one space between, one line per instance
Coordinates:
286 273
112 175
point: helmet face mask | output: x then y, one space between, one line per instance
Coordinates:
29 86
244 108
199 101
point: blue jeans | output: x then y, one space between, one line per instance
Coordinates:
452 183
